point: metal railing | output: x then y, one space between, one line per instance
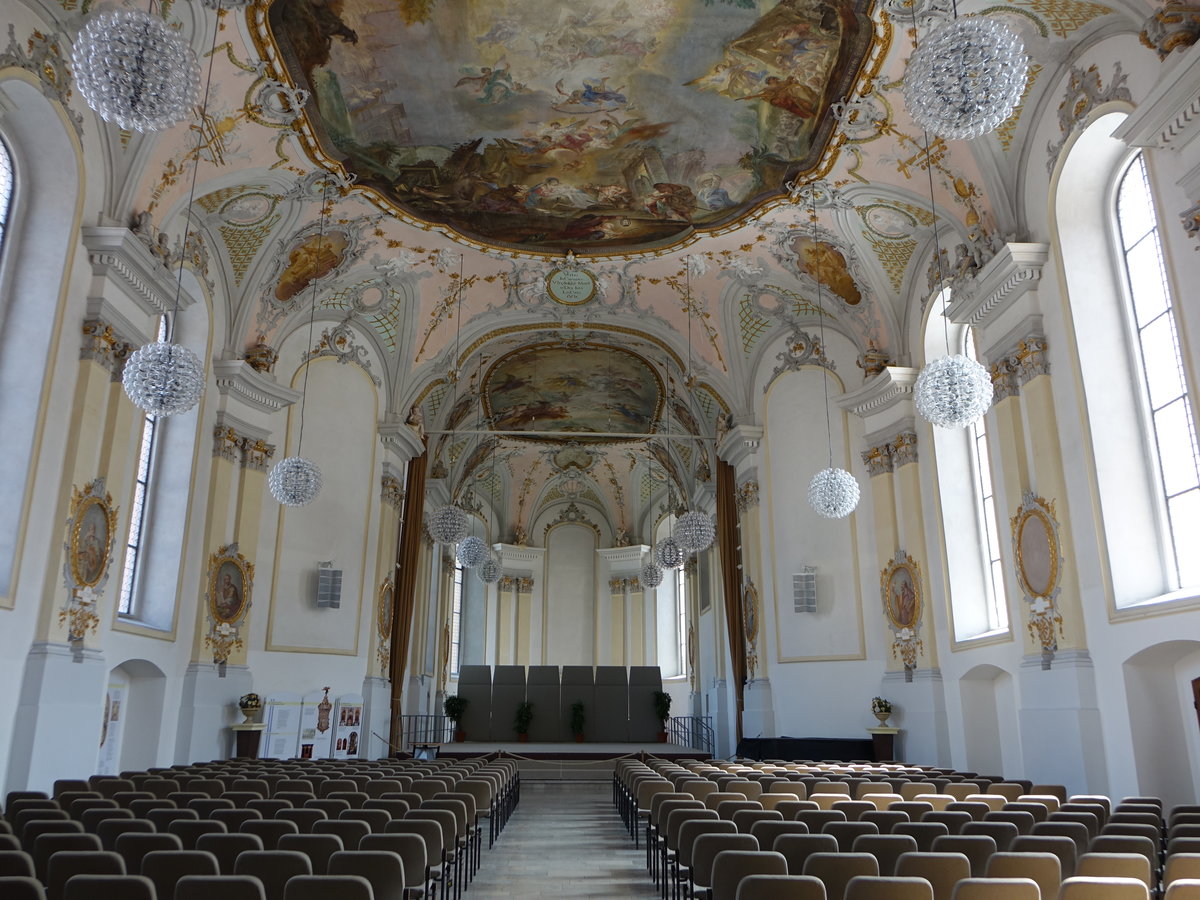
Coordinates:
692 731
425 730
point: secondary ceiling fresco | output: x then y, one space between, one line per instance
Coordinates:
611 125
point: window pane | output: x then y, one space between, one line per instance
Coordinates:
1175 451
1147 281
6 185
1135 208
1160 353
1185 526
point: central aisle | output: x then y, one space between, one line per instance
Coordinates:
565 840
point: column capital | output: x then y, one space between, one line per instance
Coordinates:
105 344
241 443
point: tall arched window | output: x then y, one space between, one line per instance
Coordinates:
1171 429
6 189
985 504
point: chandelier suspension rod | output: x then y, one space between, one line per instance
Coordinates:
566 436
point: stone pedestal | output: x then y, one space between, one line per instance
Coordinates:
246 738
883 741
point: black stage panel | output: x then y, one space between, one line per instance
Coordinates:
643 723
578 683
508 692
789 748
548 723
475 685
612 706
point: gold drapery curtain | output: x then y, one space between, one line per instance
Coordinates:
408 549
729 541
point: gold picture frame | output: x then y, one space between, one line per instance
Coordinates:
900 590
92 531
383 615
571 286
230 585
1036 547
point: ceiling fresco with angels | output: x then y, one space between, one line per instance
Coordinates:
607 125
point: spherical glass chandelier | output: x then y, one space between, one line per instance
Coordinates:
163 379
669 554
953 391
490 571
473 552
135 71
294 481
448 524
652 575
833 493
965 78
695 531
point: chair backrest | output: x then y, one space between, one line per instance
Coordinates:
886 848
317 847
351 831
108 887
867 887
836 869
430 832
924 833
16 864
693 829
1183 889
1062 847
67 863
745 819
706 848
1002 833
942 870
409 847
781 887
855 808
731 866
845 833
1080 888
227 887
1125 843
48 844
1181 865
914 809
382 868
797 848
166 867
1044 868
976 848
273 868
21 887
270 830
227 847
1116 865
325 887
954 821
997 889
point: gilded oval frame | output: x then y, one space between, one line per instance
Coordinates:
224 563
1037 513
88 508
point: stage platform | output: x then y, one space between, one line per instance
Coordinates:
572 761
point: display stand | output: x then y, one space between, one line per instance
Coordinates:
884 742
246 738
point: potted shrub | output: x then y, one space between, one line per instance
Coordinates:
522 719
577 720
882 709
662 709
454 707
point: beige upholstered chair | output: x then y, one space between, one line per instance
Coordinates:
109 887
382 868
706 849
797 848
997 889
1183 889
1044 868
837 869
1080 888
781 887
866 887
67 864
886 848
976 848
942 870
1062 847
21 887
273 868
327 887
731 866
166 867
1116 865
226 847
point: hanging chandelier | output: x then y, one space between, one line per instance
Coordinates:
135 71
490 571
448 524
953 391
669 554
473 552
652 574
833 493
163 379
294 481
695 532
966 78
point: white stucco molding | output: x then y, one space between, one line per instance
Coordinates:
890 388
1169 117
119 260
1007 277
624 560
255 391
740 443
401 440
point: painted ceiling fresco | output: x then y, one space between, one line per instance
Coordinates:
609 125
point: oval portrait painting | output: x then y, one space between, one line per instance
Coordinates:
1037 554
90 542
228 600
902 599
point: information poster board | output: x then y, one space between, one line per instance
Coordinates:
348 735
316 725
281 715
108 761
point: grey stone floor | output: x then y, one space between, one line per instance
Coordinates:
565 840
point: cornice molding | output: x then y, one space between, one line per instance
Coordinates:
236 378
119 258
1169 117
402 440
1007 277
890 387
740 443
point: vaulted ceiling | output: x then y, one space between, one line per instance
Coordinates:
585 220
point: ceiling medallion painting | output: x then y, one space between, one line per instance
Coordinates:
611 126
578 388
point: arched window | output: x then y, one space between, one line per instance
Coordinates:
985 505
1170 428
135 538
456 607
6 189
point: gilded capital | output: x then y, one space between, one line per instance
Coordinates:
878 460
1174 26
104 345
903 448
392 491
248 452
747 495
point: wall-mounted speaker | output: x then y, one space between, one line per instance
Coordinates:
804 590
329 586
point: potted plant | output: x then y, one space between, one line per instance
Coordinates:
249 704
454 707
522 719
662 709
882 709
577 720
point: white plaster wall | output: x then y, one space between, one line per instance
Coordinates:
570 595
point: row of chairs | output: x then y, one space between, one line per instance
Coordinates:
218 821
886 827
